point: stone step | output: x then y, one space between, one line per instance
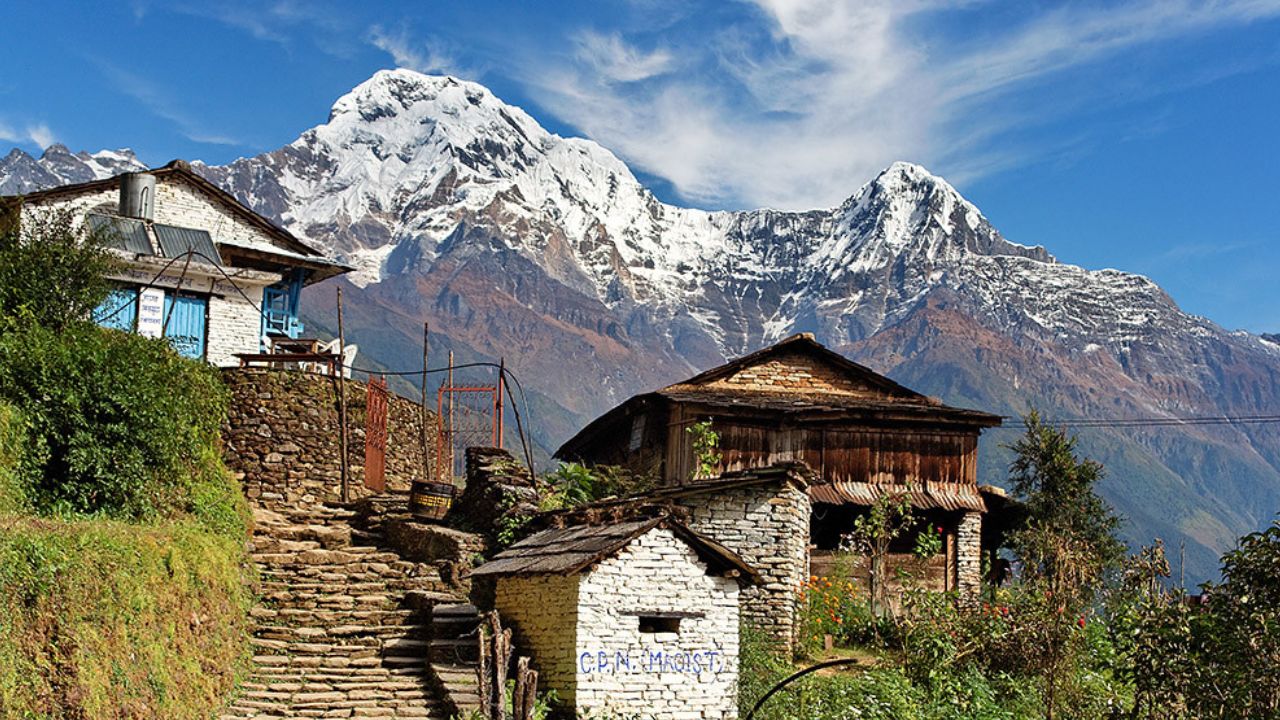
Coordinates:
454 650
354 647
311 617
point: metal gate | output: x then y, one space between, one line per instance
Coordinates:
375 435
469 417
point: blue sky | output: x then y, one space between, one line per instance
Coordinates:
1140 135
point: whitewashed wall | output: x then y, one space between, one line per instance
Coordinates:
234 324
584 633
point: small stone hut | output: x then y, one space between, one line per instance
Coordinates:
632 618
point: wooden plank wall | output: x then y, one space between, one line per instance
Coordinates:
898 456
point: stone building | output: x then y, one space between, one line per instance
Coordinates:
240 290
636 618
857 435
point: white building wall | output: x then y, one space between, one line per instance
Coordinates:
234 324
689 674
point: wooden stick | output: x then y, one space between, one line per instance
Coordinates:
342 402
426 456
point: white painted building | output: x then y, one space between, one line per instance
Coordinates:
632 619
233 295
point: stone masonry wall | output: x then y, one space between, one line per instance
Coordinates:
767 525
542 612
282 437
969 556
624 672
793 373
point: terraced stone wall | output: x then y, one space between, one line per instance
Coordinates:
282 437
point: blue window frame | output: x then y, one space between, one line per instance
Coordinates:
187 321
280 306
119 311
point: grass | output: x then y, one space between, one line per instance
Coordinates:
110 619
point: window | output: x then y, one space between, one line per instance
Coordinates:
119 311
659 624
280 307
637 433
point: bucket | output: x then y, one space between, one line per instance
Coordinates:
430 500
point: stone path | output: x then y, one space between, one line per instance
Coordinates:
341 630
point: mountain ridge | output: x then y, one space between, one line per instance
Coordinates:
518 243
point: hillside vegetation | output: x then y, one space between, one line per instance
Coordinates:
122 588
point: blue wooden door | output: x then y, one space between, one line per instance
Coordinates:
119 311
186 329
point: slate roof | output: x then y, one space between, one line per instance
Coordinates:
572 550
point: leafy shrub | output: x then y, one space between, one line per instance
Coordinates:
116 423
829 606
573 484
12 497
52 271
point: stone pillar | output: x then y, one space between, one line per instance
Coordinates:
969 556
767 525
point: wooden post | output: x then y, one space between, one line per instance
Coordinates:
497 404
452 437
524 696
426 456
342 402
495 656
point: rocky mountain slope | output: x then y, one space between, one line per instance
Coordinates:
19 172
515 242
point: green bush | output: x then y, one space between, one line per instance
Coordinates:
107 619
116 423
12 497
52 271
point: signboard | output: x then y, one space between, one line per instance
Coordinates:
151 312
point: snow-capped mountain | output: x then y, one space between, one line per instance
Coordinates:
19 172
515 242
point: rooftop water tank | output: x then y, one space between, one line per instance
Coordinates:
138 196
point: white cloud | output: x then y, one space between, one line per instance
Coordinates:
616 61
800 107
37 134
412 54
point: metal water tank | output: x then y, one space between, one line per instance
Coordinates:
138 196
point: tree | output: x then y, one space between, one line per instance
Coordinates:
1069 538
1067 546
888 518
52 270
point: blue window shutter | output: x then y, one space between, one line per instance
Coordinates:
280 306
187 318
119 311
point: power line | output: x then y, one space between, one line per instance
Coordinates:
1018 424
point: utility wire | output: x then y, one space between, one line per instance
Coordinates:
1019 424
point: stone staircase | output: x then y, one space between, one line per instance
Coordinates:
454 655
342 626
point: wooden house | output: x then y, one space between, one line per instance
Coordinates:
199 267
860 434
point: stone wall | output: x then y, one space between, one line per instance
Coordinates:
584 633
282 437
969 556
767 525
542 612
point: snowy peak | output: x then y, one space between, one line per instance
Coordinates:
20 173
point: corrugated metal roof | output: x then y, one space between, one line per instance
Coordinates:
175 241
122 233
930 496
